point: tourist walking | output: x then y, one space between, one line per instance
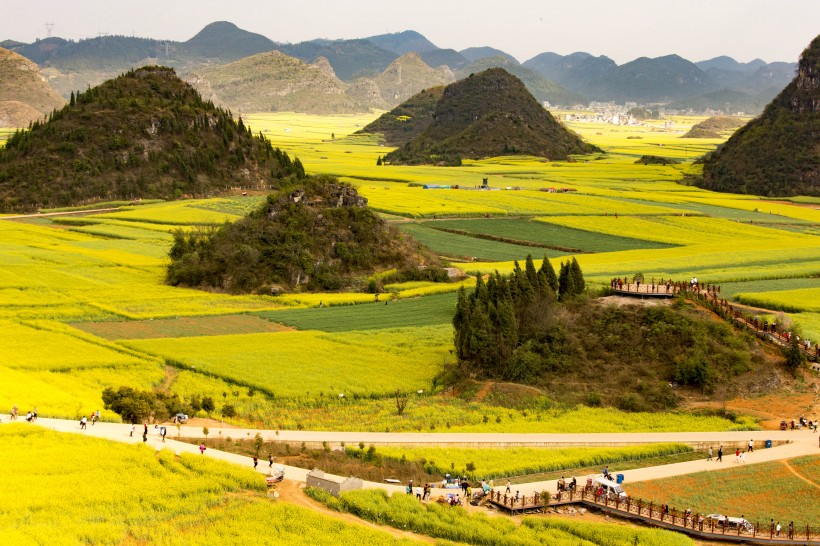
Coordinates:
270 460
255 461
508 487
777 529
202 449
720 454
751 446
709 454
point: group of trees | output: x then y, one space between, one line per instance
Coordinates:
532 327
314 235
135 406
497 325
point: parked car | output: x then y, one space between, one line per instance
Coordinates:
611 489
181 418
730 522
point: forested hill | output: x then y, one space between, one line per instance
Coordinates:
144 134
316 235
777 154
485 115
407 120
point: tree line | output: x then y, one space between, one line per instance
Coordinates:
497 324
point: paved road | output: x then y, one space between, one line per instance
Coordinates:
793 444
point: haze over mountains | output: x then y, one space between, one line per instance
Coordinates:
354 75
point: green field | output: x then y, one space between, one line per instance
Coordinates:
467 247
549 236
418 312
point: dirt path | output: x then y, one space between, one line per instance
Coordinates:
484 391
796 473
291 492
171 375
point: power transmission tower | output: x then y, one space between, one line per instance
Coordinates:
49 27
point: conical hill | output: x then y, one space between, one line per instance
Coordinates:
144 134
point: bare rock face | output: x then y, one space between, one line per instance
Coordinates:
333 196
807 95
325 67
22 82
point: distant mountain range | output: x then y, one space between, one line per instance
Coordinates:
364 68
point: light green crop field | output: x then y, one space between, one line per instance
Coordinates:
466 247
493 463
547 234
623 219
404 313
290 364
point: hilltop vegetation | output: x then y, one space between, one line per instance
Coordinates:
146 134
777 154
542 89
532 328
407 120
317 235
485 115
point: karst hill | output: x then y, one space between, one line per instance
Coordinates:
145 134
484 115
24 94
778 153
272 82
314 235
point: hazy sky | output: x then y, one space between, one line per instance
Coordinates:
773 30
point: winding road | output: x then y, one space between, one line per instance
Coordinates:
788 444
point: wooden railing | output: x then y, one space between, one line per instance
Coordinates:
709 296
652 512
